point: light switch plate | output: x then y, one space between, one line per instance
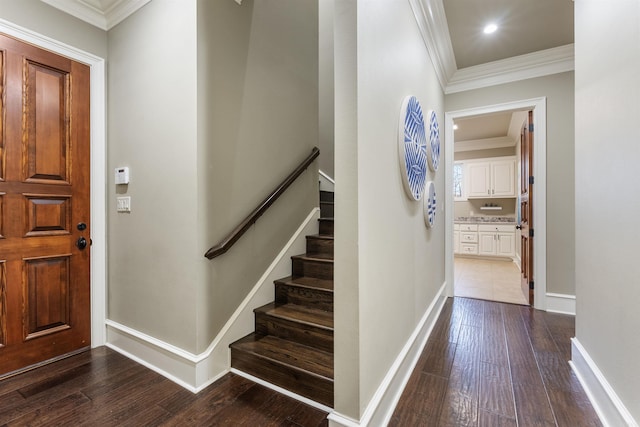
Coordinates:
123 204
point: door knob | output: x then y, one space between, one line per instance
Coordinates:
81 243
518 227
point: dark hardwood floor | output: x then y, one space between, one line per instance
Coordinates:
494 364
485 364
103 388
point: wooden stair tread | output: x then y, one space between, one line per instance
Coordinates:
293 355
307 282
300 314
320 236
315 257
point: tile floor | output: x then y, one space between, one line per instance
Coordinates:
497 280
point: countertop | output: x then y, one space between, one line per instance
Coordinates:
484 220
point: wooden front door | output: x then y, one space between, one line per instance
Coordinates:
44 206
526 206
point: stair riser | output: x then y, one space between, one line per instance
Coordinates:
319 246
312 298
326 210
310 386
293 331
308 268
326 227
327 196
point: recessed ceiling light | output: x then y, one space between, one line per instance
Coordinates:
491 28
455 127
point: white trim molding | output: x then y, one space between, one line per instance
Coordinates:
484 144
603 397
537 64
432 23
102 14
326 182
284 391
384 401
98 167
196 371
561 303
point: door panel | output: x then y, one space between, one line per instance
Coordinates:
44 194
526 207
47 120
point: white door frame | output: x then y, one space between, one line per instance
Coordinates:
98 168
539 107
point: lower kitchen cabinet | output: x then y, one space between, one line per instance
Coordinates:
498 240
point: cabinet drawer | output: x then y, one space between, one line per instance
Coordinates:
467 248
468 227
468 237
497 228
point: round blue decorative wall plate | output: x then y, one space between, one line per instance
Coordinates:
434 141
430 205
412 144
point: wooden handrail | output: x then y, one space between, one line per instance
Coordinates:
226 243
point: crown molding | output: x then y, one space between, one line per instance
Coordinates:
432 23
96 12
483 144
537 64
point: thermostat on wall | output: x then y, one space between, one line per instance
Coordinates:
122 175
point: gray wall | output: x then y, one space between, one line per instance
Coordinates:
559 90
391 266
257 120
326 111
607 203
211 105
51 22
153 254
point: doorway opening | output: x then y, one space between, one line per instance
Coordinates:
493 246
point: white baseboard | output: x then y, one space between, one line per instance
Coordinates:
380 409
561 303
604 399
196 371
283 391
326 182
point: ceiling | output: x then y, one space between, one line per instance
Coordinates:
525 27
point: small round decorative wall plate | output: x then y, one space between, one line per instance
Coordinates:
412 145
433 146
430 205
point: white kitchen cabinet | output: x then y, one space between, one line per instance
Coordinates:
498 240
468 239
479 176
503 178
495 178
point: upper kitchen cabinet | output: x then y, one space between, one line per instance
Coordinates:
491 178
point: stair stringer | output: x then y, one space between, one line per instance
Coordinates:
197 371
242 321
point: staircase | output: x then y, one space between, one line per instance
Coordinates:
292 346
